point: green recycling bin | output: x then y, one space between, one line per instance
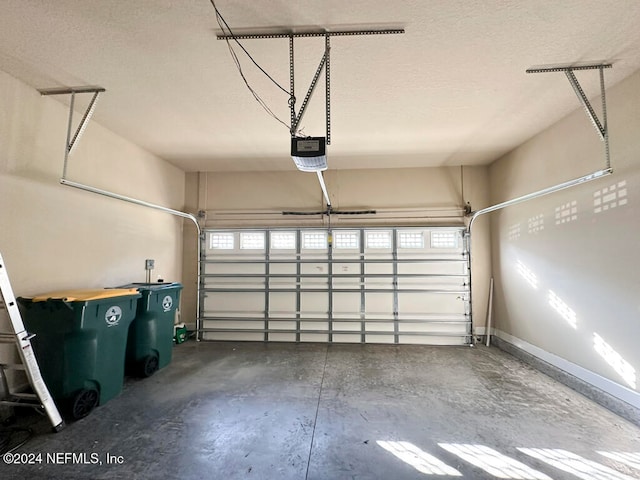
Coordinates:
80 343
150 341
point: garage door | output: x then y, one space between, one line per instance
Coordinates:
347 285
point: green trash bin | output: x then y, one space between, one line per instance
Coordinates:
150 341
80 343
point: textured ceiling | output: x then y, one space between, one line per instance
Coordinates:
452 90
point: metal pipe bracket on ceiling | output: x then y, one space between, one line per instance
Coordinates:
73 141
600 126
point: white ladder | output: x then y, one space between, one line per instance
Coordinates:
41 398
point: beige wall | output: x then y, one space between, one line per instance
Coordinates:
57 237
409 196
588 260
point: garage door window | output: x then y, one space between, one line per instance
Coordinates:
314 240
346 240
221 241
283 240
410 240
444 240
377 239
252 240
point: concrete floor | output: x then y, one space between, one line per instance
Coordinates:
284 411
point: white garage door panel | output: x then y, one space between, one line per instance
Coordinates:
372 285
346 305
314 305
236 285
282 337
235 302
371 327
323 326
346 283
380 339
437 283
283 269
282 305
416 303
313 337
282 325
313 268
442 328
347 338
344 268
433 340
431 267
378 268
378 304
281 284
233 336
232 324
343 326
235 268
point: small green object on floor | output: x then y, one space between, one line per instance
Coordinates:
180 334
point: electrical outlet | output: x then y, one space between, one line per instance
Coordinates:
149 264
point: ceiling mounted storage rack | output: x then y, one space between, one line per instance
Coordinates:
600 126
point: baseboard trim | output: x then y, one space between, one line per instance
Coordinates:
617 398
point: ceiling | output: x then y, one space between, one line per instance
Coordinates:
451 91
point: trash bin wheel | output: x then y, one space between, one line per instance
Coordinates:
149 365
83 402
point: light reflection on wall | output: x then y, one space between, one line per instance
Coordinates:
527 274
536 223
514 232
418 459
610 197
567 212
615 360
574 464
493 462
563 309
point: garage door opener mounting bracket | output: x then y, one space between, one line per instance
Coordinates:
320 162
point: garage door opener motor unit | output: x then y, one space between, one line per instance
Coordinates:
309 153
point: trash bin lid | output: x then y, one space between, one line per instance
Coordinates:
83 295
152 286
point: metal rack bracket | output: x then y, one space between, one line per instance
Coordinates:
72 141
600 126
324 64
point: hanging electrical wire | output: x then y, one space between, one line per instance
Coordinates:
224 26
221 18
